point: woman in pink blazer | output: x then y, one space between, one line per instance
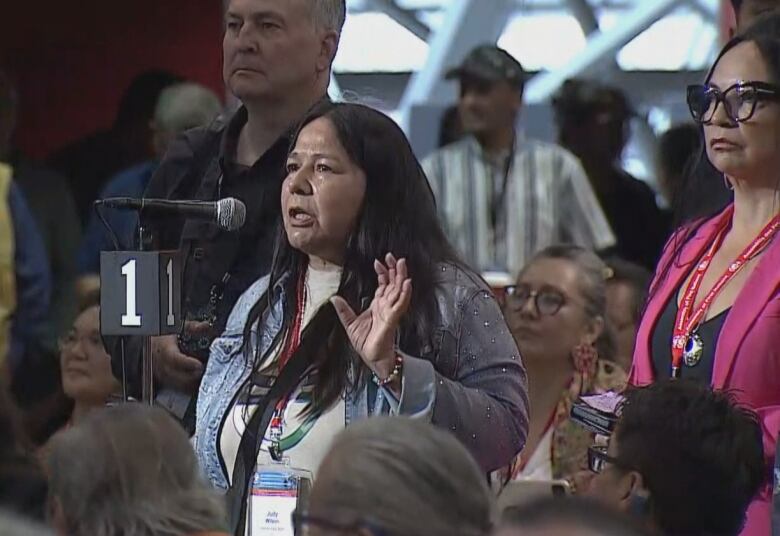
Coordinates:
714 307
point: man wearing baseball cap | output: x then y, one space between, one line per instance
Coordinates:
502 197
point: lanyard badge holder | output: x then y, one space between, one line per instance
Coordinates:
275 492
277 489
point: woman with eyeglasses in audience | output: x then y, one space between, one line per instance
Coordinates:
85 365
557 314
714 309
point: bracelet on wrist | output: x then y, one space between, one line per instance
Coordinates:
395 373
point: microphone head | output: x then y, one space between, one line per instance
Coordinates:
231 214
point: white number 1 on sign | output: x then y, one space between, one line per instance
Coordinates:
130 318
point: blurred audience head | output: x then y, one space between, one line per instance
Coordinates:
491 91
136 109
593 120
684 457
396 476
451 127
277 51
626 294
570 516
84 362
558 308
22 482
182 107
747 11
13 525
8 110
129 469
678 151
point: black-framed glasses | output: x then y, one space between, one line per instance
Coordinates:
739 101
598 459
547 301
303 523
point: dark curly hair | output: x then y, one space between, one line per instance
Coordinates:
700 454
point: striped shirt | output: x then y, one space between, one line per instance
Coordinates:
547 200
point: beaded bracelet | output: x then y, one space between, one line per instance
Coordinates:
399 366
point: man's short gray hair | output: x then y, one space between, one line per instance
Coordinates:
329 14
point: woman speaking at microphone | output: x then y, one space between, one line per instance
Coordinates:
714 308
369 308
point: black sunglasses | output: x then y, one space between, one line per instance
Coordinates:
546 300
739 101
303 521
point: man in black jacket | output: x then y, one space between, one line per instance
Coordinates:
277 58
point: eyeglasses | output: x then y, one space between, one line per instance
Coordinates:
303 523
739 101
598 459
69 340
546 300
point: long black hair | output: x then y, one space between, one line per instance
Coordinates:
398 215
703 193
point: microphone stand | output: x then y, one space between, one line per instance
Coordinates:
147 363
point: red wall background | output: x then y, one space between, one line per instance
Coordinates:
72 60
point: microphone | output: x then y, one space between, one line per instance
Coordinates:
229 213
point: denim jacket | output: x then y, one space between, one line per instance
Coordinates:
469 380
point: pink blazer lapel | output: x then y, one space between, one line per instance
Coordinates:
758 290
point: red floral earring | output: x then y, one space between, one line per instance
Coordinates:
584 357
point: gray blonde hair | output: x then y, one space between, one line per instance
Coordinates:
593 276
130 470
408 477
184 106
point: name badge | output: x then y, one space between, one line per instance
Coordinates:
275 492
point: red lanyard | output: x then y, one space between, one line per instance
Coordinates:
290 347
688 318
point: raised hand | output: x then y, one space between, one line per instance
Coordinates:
372 332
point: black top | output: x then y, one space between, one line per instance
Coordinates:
636 220
661 345
201 165
218 265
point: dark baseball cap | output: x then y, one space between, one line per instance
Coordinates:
489 63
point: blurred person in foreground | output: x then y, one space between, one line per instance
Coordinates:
181 107
557 314
394 476
22 481
51 204
501 197
713 314
129 470
277 58
683 459
566 516
594 122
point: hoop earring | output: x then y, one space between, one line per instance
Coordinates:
727 183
